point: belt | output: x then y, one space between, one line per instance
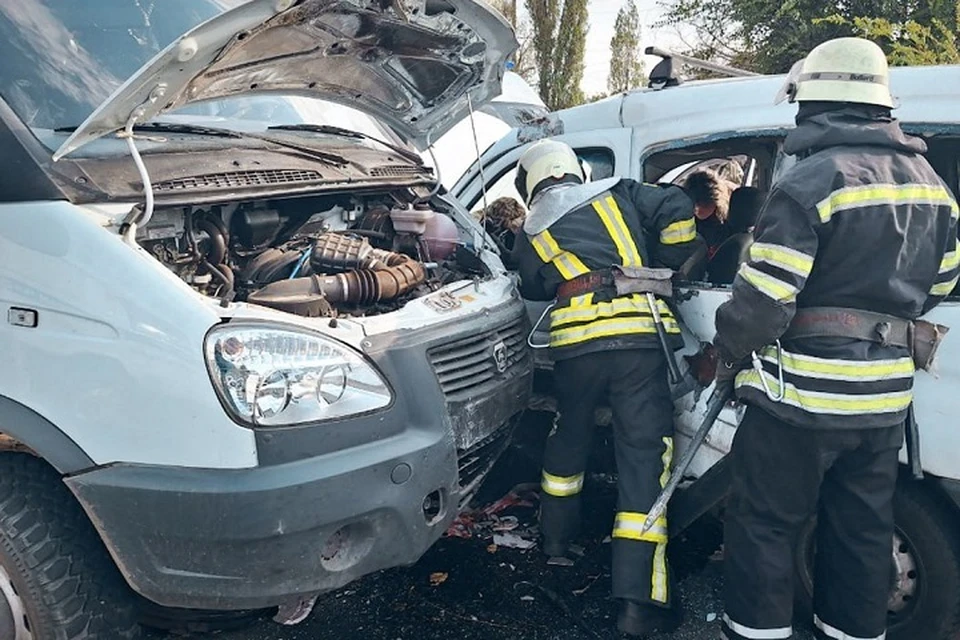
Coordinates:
840 322
586 283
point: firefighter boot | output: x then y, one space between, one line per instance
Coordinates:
644 620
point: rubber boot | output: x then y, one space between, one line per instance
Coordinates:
644 620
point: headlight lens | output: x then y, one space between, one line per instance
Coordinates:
272 376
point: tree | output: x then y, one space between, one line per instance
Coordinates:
523 58
626 56
769 38
912 43
559 40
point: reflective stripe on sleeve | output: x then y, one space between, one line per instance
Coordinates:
881 194
833 632
951 260
613 221
678 232
768 285
785 258
569 265
828 403
779 633
944 288
844 370
562 486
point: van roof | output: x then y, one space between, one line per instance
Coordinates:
926 95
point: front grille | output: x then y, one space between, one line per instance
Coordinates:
469 366
388 170
237 179
474 463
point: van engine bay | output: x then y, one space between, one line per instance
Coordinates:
322 256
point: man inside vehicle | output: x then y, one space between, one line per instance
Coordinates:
854 243
606 348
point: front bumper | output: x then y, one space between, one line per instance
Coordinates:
329 503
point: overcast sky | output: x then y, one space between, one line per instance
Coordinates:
603 14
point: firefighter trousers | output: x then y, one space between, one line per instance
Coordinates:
783 476
634 382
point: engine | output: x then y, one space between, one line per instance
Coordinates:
314 256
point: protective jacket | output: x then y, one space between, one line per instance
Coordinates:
862 221
575 229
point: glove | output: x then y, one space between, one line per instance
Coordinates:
727 373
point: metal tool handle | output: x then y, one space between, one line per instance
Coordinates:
913 444
672 367
715 405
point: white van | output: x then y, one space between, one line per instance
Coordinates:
660 135
249 353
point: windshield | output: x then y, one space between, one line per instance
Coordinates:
62 58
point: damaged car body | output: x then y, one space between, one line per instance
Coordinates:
291 359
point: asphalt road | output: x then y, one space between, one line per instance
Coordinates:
466 589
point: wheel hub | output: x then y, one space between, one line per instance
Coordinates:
904 587
13 618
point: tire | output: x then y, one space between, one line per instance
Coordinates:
57 581
925 603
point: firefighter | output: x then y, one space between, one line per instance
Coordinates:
855 241
605 348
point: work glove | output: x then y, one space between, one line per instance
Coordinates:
727 373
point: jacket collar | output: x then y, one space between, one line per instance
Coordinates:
849 127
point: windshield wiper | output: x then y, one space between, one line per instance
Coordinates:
177 127
347 133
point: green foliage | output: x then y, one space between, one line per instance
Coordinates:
523 59
626 55
559 42
769 37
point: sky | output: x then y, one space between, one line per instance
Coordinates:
603 15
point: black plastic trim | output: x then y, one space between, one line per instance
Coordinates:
42 436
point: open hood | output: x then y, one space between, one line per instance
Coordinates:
414 64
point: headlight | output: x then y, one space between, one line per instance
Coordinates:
271 376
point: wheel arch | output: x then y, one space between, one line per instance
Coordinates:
23 429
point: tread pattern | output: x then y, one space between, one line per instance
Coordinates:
69 584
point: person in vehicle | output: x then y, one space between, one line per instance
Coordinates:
861 223
711 197
744 207
605 347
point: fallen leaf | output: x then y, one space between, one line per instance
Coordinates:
438 578
492 548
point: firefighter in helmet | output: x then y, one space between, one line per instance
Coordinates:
605 348
854 243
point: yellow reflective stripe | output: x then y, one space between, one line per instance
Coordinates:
658 588
951 260
549 251
678 232
628 525
829 403
944 288
867 195
767 284
583 312
846 370
618 231
581 301
608 329
562 486
782 257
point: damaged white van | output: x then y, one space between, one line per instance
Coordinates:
249 354
663 133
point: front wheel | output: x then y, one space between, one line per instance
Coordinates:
57 581
925 582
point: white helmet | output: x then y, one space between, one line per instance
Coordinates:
545 159
840 70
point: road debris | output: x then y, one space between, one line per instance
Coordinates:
292 613
711 617
438 578
515 530
512 541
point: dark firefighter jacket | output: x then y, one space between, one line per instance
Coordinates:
630 224
861 221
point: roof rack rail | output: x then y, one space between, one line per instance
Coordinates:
663 75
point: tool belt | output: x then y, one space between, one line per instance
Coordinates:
920 337
619 280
